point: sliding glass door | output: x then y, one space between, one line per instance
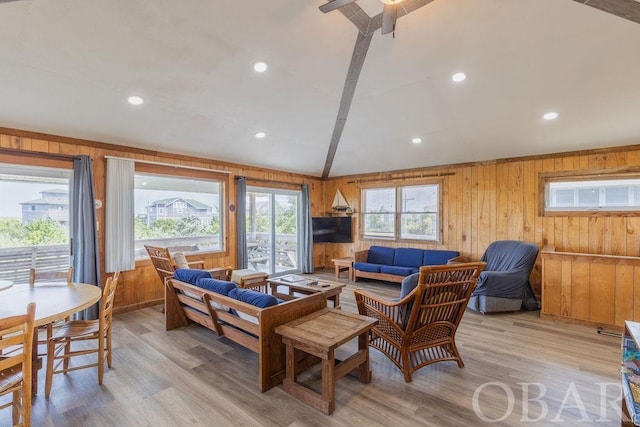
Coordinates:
273 230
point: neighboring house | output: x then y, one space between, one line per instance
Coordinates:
52 204
177 208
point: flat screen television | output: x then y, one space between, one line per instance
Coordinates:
331 229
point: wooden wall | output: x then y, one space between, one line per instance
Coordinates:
482 202
498 200
142 286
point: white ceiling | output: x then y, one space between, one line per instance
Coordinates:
67 67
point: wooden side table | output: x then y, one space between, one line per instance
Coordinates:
343 264
319 334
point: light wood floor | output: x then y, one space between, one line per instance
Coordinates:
192 377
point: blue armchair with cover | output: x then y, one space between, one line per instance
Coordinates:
504 283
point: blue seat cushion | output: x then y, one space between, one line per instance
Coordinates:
415 270
381 255
395 270
190 275
368 267
253 297
408 257
438 257
408 284
221 287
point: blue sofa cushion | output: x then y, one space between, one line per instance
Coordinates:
221 287
253 297
191 275
408 284
438 257
408 257
365 266
415 270
393 269
381 255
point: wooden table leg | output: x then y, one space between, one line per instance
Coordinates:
364 373
329 383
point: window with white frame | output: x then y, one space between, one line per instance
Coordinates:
402 212
178 212
592 194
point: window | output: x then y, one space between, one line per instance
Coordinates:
589 194
183 214
34 220
402 213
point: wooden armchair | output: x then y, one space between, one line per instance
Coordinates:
420 328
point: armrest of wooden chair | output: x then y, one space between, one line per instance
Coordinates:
460 259
392 314
361 256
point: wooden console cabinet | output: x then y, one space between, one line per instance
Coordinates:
598 290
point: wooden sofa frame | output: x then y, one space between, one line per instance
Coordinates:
181 309
361 256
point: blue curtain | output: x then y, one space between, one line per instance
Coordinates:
307 232
84 235
241 222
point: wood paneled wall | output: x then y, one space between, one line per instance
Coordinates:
142 286
598 290
490 201
482 202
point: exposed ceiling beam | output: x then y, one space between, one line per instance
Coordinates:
366 26
357 61
402 9
333 5
627 9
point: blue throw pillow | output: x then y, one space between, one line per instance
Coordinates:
221 287
253 297
408 284
190 275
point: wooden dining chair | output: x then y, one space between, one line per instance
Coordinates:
59 347
420 328
60 278
16 340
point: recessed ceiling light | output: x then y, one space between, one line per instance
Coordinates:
260 134
260 67
416 140
459 77
135 100
551 115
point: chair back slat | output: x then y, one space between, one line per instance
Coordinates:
108 295
161 259
47 275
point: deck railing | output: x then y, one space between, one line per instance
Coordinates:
15 262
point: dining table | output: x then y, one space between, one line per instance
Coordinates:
5 284
54 301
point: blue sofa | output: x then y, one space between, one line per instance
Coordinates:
394 264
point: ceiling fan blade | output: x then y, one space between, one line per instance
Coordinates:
389 16
7 1
334 4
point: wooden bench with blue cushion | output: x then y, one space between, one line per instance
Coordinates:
394 264
245 316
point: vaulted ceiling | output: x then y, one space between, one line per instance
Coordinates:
68 66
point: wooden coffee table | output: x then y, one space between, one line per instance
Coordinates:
319 334
331 290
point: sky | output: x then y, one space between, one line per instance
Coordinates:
13 193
